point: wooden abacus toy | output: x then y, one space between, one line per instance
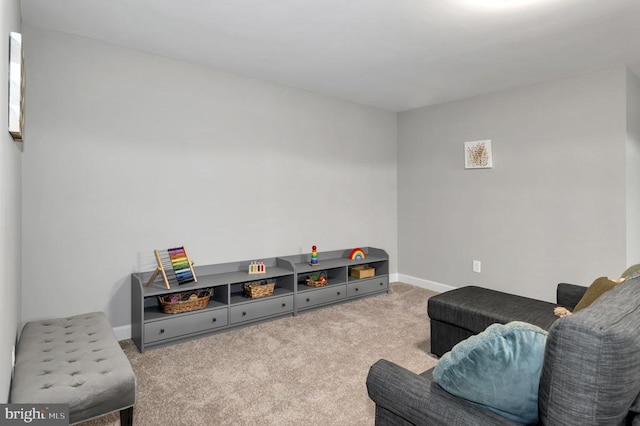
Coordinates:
174 261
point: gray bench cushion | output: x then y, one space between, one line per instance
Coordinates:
75 361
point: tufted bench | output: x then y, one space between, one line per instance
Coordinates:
75 361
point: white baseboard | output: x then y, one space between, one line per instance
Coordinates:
419 282
123 332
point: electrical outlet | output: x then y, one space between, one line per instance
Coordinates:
477 266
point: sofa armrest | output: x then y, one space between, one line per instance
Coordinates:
568 295
418 400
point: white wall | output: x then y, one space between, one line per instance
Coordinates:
633 169
10 207
551 209
130 152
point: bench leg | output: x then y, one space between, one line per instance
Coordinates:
126 417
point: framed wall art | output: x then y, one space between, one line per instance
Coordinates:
16 86
477 155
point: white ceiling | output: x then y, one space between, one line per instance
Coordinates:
392 54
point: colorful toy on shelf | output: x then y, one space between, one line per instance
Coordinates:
314 256
317 280
257 267
357 253
181 265
174 260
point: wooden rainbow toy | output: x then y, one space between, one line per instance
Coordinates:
357 253
176 261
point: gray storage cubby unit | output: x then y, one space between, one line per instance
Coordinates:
342 286
229 307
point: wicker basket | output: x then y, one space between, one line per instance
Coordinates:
318 280
257 289
185 302
363 271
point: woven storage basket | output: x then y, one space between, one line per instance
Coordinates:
185 302
318 280
363 271
256 289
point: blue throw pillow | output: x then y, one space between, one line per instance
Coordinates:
498 368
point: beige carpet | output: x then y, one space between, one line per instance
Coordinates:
305 370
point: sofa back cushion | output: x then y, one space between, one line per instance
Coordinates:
591 372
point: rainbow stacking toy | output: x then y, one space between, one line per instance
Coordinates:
314 256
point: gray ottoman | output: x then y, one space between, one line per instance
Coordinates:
75 361
458 314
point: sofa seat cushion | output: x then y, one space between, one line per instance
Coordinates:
475 308
498 368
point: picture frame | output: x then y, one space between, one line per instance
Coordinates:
478 155
16 86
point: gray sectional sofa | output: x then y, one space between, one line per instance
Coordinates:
590 374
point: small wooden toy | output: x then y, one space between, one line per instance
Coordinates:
314 256
174 261
257 267
357 253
